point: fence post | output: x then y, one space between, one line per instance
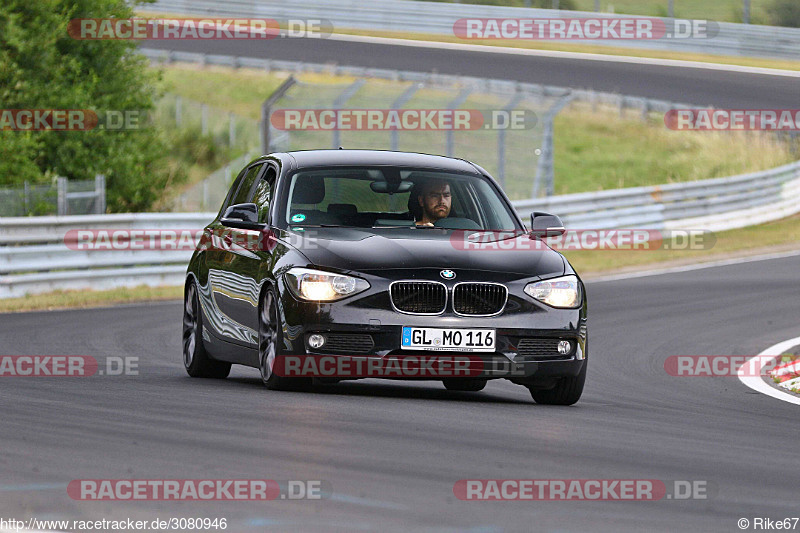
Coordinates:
455 104
596 6
61 186
338 104
545 165
266 112
204 118
746 12
26 198
501 140
178 111
671 9
100 191
397 104
231 129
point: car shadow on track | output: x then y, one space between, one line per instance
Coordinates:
388 389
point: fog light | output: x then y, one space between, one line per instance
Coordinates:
316 341
564 347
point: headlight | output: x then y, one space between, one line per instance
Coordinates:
564 292
322 286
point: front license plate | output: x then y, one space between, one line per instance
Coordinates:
462 340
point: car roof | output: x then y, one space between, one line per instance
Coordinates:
315 158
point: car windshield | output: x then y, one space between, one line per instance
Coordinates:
389 197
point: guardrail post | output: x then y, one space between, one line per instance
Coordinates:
61 202
266 112
397 104
100 191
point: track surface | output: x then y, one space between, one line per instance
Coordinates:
392 451
688 85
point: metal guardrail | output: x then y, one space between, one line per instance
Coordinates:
438 18
714 202
34 257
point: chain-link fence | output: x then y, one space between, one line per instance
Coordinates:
506 131
241 134
61 197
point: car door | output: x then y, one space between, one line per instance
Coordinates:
232 291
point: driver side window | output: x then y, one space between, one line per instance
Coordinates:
263 194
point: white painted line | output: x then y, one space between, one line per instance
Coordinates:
696 266
756 383
583 56
791 384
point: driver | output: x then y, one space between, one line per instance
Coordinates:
434 202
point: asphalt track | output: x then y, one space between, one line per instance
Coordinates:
393 450
722 89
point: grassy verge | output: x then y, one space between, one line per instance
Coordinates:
766 238
88 298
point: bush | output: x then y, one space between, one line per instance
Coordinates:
42 67
784 13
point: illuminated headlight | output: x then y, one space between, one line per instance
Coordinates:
320 286
564 292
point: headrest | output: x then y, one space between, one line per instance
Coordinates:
343 209
308 190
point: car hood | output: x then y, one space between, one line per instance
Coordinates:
365 250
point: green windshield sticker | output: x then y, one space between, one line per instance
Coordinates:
299 217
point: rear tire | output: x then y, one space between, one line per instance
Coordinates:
196 360
567 391
465 385
269 342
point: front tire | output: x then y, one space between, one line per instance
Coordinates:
269 342
567 391
196 360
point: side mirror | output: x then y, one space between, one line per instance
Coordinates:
545 225
244 216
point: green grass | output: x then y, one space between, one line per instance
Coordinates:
88 298
773 236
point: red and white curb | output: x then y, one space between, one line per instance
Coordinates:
755 381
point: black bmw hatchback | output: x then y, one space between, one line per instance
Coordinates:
341 264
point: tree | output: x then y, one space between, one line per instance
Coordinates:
42 67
